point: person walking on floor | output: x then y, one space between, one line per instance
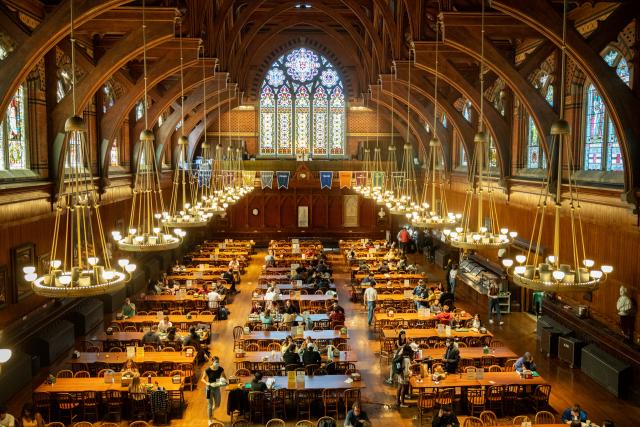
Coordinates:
494 302
370 298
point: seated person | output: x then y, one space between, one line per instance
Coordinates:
228 277
128 309
291 356
136 386
475 323
266 318
234 264
402 264
574 413
355 416
445 418
173 340
6 419
384 268
193 339
213 297
525 362
288 318
433 295
436 307
419 289
270 260
164 324
204 290
151 337
446 298
286 343
290 307
369 279
130 367
444 317
337 307
257 384
256 308
331 293
311 356
351 255
457 322
336 316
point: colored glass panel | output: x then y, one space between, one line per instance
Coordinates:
2 143
337 121
114 157
284 117
492 154
614 155
267 121
320 121
595 127
303 116
140 111
275 77
463 156
302 65
16 138
623 71
466 111
549 95
535 154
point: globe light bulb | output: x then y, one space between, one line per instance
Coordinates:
64 279
607 269
123 262
108 275
519 270
588 263
56 263
92 260
507 262
596 274
130 268
504 230
29 269
521 258
132 231
551 259
513 234
31 277
558 275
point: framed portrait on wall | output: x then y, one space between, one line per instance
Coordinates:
4 285
303 216
21 256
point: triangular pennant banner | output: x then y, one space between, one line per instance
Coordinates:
248 177
378 179
266 179
326 179
283 179
345 179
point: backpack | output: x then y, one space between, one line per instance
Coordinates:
223 314
396 364
327 422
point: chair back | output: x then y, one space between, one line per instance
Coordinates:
518 420
489 418
473 422
545 417
275 422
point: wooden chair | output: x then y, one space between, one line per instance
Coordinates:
473 422
496 344
90 405
476 400
216 424
545 417
518 420
115 350
139 424
68 403
274 346
257 406
331 401
279 403
138 405
65 373
113 404
350 396
130 329
426 403
486 361
303 400
83 424
241 423
151 374
108 425
82 374
252 347
275 422
511 398
495 368
42 404
189 375
540 397
329 420
494 395
168 349
55 424
301 423
489 418
444 397
242 373
149 348
509 365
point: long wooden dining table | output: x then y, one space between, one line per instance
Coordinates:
302 298
314 318
268 358
474 353
421 334
98 385
173 318
466 380
310 382
119 358
134 337
325 334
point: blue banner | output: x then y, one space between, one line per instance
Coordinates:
283 179
266 179
326 179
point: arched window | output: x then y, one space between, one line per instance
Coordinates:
601 147
535 154
302 107
444 120
140 111
491 158
108 97
466 111
13 141
114 158
463 156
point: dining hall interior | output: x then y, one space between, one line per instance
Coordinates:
319 213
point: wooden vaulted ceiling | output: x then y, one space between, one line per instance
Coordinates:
364 39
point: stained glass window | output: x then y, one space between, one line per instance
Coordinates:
463 156
140 111
14 132
2 143
535 154
444 120
108 97
114 157
466 111
492 154
302 107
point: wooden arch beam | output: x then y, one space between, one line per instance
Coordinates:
17 66
622 105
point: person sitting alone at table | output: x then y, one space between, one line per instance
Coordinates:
444 317
214 298
291 356
266 319
256 308
336 316
356 417
234 264
151 337
525 362
136 386
475 323
456 321
451 357
574 413
130 368
228 277
270 260
311 356
128 309
384 268
164 324
257 384
369 279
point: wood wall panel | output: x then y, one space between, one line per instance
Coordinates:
319 211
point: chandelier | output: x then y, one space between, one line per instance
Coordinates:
484 236
433 212
404 181
550 275
188 214
146 232
385 194
76 268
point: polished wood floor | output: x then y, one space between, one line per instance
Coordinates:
568 385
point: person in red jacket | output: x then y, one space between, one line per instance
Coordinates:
403 239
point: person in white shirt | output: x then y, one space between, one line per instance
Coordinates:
234 264
452 278
6 419
370 298
164 324
213 296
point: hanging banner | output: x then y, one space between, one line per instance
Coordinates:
378 179
326 179
266 179
227 178
248 177
345 179
361 178
283 179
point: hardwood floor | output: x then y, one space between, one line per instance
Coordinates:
568 385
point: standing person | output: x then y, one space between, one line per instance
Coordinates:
370 298
399 343
229 278
402 363
494 302
213 377
403 239
451 357
453 273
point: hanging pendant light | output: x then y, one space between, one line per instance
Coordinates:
433 212
406 192
185 210
80 267
385 197
375 179
146 231
491 235
247 177
550 275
